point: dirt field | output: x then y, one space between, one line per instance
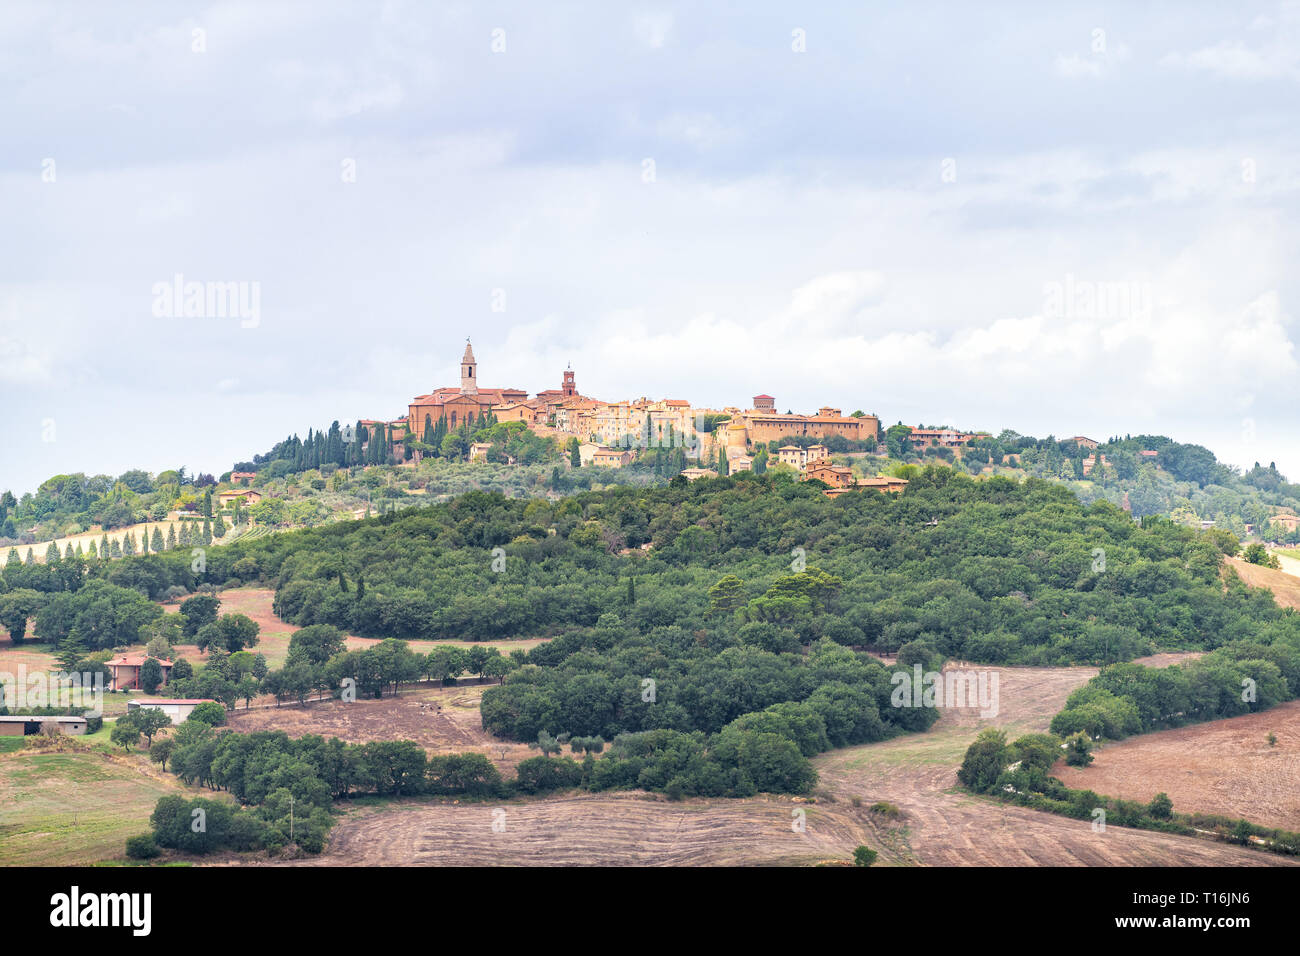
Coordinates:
1225 767
617 829
948 828
441 720
917 774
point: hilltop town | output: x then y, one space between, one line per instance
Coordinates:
468 436
609 434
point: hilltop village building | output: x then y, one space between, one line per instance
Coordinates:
611 431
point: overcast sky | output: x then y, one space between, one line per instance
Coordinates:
913 209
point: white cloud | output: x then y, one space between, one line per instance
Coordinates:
652 29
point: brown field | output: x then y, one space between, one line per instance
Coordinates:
1285 587
273 638
1223 766
938 825
626 829
439 719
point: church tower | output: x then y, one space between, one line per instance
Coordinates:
468 379
570 387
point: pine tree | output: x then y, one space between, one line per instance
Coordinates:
115 549
70 553
52 554
31 558
128 543
103 546
13 558
171 537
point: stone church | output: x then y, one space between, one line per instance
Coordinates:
458 405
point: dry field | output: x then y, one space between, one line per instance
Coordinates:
97 536
917 774
626 829
273 638
1285 586
441 720
1224 766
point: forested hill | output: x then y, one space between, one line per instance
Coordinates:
987 570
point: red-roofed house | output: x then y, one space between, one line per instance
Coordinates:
126 671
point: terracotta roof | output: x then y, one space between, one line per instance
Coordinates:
135 660
172 700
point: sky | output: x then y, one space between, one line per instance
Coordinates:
1059 219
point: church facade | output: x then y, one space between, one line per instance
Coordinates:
459 405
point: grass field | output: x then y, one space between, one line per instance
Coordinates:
74 807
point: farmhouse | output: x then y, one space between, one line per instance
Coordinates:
247 495
27 726
178 709
126 671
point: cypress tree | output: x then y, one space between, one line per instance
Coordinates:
52 554
157 541
144 540
92 551
171 536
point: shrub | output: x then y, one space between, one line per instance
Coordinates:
1161 807
142 847
1078 752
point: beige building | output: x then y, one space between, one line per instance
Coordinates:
178 708
29 726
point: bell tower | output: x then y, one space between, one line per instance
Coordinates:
570 388
468 375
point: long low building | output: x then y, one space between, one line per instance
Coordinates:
177 708
26 725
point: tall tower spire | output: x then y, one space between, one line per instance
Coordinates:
468 379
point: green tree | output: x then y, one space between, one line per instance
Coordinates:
863 856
